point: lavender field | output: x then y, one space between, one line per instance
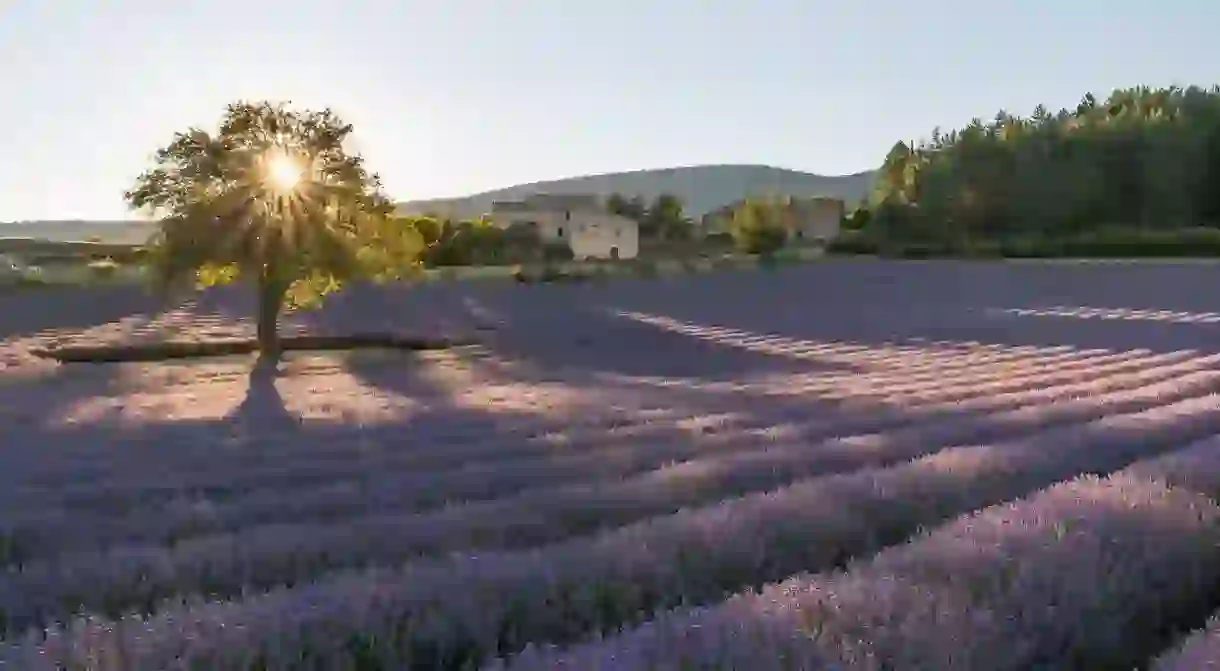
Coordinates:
846 465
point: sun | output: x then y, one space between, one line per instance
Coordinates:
283 172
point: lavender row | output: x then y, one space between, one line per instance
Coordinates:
256 557
104 466
94 492
47 530
102 462
100 468
1199 651
446 614
1088 574
94 482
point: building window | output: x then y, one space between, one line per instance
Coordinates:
561 231
567 215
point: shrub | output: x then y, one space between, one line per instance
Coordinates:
104 268
645 269
1113 242
758 227
690 266
761 240
858 220
1130 242
853 242
557 252
552 273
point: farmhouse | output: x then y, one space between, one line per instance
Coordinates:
578 220
807 219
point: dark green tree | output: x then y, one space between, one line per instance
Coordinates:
665 219
1141 159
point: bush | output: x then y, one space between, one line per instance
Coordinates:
758 227
557 252
761 239
858 220
104 268
1145 243
552 274
1113 242
645 269
852 243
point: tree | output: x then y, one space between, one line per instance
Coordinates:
617 203
665 219
1142 158
635 208
758 227
272 198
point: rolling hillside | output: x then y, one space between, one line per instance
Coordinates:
701 188
112 232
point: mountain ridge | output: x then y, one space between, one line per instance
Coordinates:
702 188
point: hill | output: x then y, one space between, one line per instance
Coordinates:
110 232
701 188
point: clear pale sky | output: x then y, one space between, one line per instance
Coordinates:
450 97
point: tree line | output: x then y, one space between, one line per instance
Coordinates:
1143 160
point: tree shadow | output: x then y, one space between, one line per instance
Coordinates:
263 407
25 312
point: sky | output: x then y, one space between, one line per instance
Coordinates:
452 97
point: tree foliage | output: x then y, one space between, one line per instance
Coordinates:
666 219
662 219
226 212
758 226
1143 158
635 207
450 242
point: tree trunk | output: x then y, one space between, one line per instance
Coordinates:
270 303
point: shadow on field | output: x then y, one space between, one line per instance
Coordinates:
27 311
263 405
574 329
897 302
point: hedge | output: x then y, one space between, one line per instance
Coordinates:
1115 242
